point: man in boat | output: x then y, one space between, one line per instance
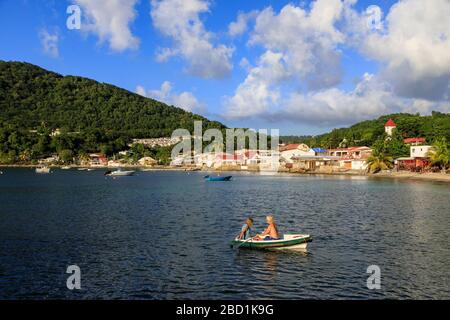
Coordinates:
271 232
245 231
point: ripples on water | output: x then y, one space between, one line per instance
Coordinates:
165 235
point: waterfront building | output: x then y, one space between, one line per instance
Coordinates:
98 159
295 150
353 158
417 160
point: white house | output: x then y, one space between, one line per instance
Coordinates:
419 151
295 150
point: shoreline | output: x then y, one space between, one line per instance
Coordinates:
403 175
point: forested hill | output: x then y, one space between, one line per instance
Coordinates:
31 97
367 132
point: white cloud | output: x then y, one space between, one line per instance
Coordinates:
180 21
49 43
369 99
295 79
185 100
239 26
414 48
255 95
110 20
307 40
300 46
333 106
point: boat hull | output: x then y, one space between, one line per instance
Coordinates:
227 178
289 241
120 174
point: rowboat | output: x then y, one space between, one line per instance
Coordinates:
119 173
209 178
43 170
289 241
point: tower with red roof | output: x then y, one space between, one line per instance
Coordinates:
389 127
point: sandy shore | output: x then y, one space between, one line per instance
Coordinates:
414 176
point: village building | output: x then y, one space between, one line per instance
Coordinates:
414 141
227 159
156 142
98 159
290 151
319 151
389 127
353 158
417 161
50 160
326 164
147 161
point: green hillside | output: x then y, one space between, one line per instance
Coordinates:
367 132
31 96
91 116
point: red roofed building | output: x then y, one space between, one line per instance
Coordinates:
389 126
98 159
414 141
295 150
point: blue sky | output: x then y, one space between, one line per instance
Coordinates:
330 74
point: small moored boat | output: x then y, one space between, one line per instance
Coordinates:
44 169
289 241
119 173
209 178
65 167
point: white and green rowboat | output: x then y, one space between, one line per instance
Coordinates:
289 241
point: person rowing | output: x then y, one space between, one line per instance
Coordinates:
245 231
271 232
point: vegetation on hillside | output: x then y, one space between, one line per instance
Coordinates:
366 133
91 116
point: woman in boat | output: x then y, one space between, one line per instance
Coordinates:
271 232
245 231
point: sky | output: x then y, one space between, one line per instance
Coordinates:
302 67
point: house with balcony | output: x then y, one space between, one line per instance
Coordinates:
418 159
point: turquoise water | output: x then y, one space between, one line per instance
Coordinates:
165 235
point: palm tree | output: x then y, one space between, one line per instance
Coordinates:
379 160
439 154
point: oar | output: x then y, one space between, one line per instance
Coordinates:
243 243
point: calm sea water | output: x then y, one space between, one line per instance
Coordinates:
165 235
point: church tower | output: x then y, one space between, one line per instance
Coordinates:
389 127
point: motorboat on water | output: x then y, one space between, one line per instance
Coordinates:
119 173
43 169
209 178
85 169
288 241
65 167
